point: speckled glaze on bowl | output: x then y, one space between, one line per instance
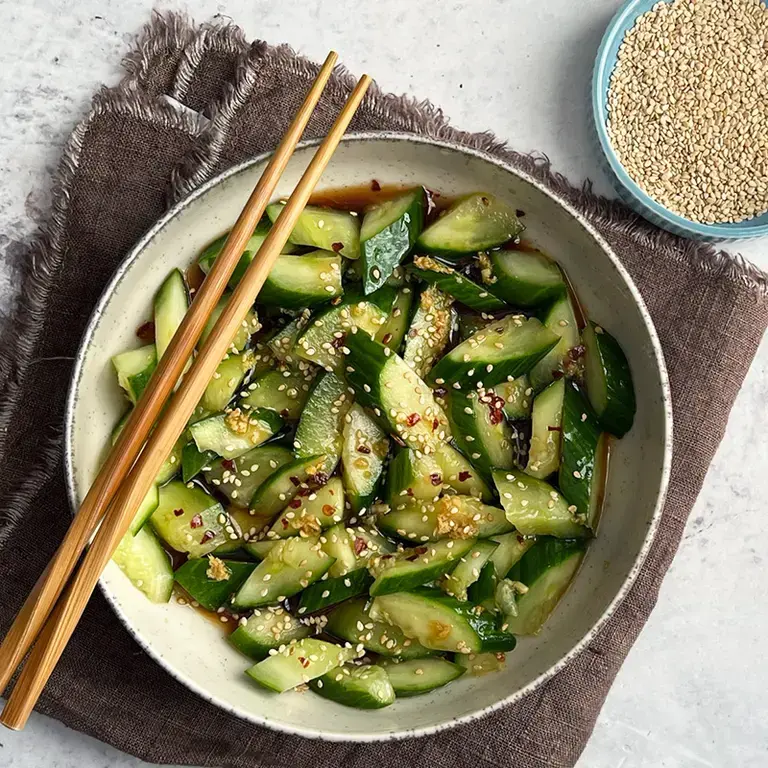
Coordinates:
194 650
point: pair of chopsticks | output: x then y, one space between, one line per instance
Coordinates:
48 618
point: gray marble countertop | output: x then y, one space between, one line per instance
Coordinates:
692 692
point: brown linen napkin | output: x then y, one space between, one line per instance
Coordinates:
121 165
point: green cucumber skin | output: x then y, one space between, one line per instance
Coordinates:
267 501
464 290
517 404
362 483
518 291
257 643
133 384
546 553
430 330
557 361
455 466
366 687
484 587
410 477
547 421
214 434
209 593
345 620
193 461
353 584
433 673
396 326
579 450
385 249
278 292
490 445
618 411
454 369
320 429
307 231
467 572
148 566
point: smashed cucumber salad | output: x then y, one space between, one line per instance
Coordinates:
398 466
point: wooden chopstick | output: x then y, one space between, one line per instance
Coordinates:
64 619
123 454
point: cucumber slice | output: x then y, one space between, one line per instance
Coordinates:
299 663
474 223
291 565
211 581
249 326
464 290
478 664
295 282
323 594
384 382
322 420
430 330
457 517
364 449
191 521
284 391
171 304
535 508
544 453
283 343
481 359
299 476
517 397
365 687
239 478
525 278
309 515
460 475
265 629
324 339
326 228
339 545
609 381
561 320
413 476
134 369
413 567
193 461
411 678
440 622
229 375
145 511
392 332
584 464
470 323
512 546
234 433
546 570
144 561
480 429
351 621
388 232
467 572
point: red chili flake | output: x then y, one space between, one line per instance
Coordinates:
520 213
337 343
574 353
363 449
207 536
435 478
146 332
485 200
557 374
386 557
496 416
360 545
336 300
178 512
409 491
386 338
520 539
328 510
412 557
304 662
295 480
318 479
375 186
412 419
420 550
228 464
337 247
435 424
432 193
464 475
294 503
285 522
196 522
554 429
305 491
285 413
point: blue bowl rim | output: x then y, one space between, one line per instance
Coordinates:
599 97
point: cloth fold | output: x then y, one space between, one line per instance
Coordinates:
133 155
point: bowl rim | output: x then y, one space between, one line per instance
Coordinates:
404 733
605 63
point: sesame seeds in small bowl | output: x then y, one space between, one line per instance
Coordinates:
680 102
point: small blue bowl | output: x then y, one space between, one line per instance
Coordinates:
627 189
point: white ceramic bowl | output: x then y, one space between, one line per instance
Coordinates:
194 650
